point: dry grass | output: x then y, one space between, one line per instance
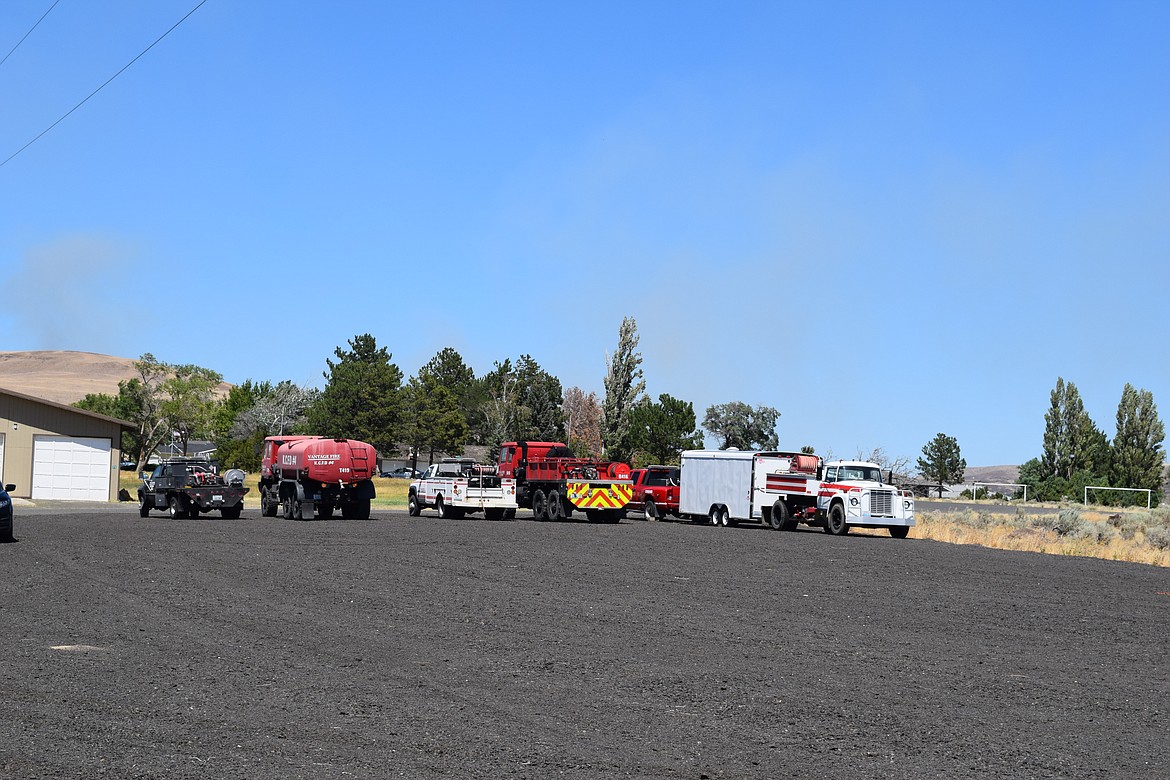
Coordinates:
1122 535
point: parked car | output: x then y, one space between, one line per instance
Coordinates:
128 465
6 514
404 472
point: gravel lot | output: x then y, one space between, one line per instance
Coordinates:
422 648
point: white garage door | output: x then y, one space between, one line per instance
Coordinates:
71 468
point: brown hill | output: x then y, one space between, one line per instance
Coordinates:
65 377
992 474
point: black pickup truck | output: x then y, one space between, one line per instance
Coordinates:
185 487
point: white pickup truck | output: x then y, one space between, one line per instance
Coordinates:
458 486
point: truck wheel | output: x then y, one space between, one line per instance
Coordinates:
556 510
836 524
268 507
440 507
778 520
651 511
539 505
412 507
324 511
361 509
232 512
493 514
509 514
143 508
899 531
286 509
298 509
175 507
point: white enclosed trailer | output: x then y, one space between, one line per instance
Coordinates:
784 489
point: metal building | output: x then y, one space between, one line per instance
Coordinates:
53 451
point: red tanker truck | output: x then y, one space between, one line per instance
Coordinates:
307 476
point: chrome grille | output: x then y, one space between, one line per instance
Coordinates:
881 503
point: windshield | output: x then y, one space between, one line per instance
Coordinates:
867 473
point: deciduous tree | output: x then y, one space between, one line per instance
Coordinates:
624 388
1138 456
661 430
740 426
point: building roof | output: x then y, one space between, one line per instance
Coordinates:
66 407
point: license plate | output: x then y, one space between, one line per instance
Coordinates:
217 498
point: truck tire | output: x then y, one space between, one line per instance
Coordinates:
324 511
232 512
835 523
286 509
268 507
361 509
539 505
899 531
412 506
493 514
175 507
143 507
298 509
651 511
780 519
556 510
509 514
440 507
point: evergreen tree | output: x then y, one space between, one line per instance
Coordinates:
540 395
362 398
436 422
1138 456
661 431
941 462
624 388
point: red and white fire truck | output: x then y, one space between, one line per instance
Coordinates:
783 489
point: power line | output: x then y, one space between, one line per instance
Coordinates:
17 46
107 81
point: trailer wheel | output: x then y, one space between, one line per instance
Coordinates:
899 531
556 509
412 506
175 506
836 524
143 507
724 517
539 505
714 515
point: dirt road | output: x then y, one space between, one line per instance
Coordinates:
424 648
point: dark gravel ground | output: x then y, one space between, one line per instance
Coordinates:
422 648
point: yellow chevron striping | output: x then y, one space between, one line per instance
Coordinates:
586 496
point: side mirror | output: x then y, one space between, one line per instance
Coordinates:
9 488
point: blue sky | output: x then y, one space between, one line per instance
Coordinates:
885 220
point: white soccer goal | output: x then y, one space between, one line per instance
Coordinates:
976 485
1149 493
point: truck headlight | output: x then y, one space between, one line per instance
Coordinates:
853 501
907 505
